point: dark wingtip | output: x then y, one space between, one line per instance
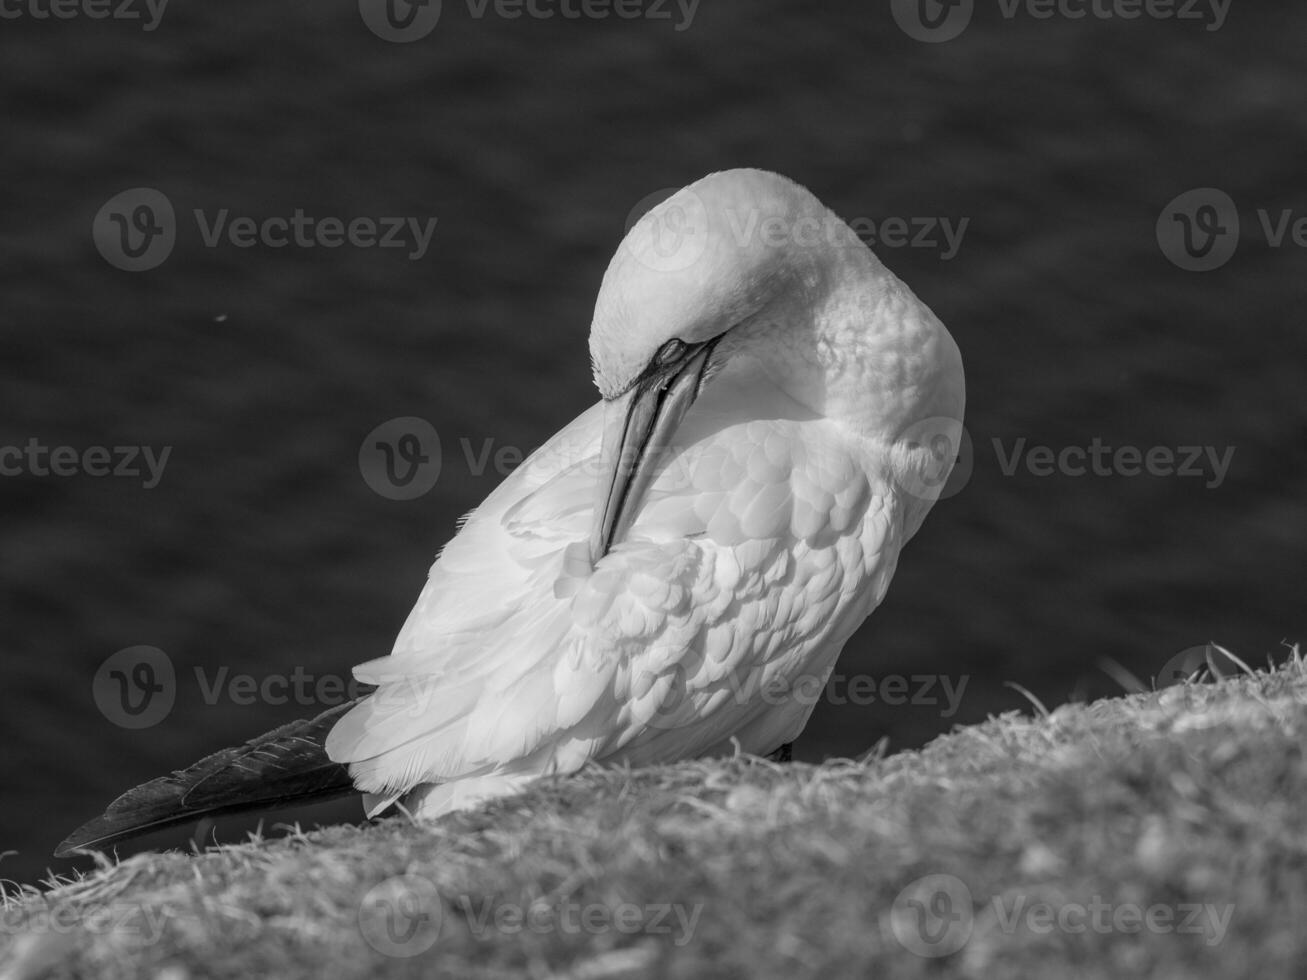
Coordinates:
78 840
109 828
87 837
286 765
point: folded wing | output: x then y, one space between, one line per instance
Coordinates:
736 578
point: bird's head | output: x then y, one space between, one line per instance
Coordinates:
745 273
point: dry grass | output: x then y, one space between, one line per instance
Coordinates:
1159 834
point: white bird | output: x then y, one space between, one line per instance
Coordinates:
678 568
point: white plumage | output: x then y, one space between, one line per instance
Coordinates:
758 515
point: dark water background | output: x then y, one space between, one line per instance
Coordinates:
531 141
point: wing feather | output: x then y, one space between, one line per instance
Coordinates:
519 659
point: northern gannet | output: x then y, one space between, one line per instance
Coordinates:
710 532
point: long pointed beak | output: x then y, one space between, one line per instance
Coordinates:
638 428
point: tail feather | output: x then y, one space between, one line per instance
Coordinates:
286 765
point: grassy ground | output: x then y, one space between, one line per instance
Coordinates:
1160 834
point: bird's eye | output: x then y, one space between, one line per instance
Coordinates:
670 352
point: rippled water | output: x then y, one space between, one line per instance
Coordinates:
530 141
